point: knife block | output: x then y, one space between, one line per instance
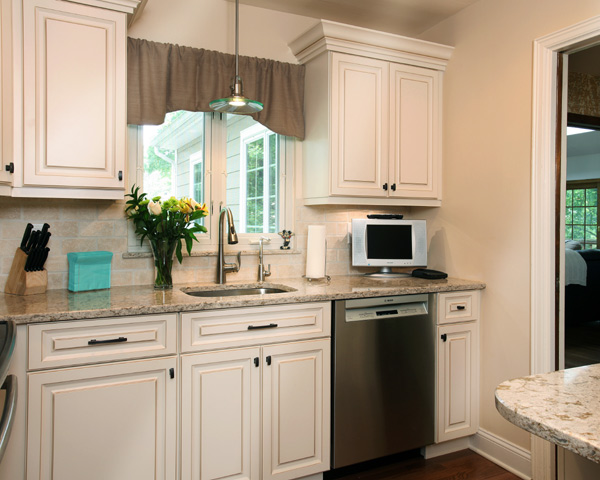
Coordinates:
20 282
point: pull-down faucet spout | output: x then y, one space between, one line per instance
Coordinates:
222 267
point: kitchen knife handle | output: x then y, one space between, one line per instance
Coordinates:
26 235
112 340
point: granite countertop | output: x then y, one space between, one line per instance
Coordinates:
562 407
57 305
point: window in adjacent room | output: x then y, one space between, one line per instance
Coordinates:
581 222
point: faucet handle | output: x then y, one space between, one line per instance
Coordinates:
239 262
267 272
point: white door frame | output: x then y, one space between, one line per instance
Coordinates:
543 208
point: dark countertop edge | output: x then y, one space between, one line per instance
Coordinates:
239 302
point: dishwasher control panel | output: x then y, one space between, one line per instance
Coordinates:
380 308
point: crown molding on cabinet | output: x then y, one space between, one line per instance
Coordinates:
338 37
131 7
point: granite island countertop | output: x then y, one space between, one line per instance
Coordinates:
562 407
59 305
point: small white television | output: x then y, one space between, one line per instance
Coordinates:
389 243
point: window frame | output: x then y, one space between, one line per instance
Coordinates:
582 185
215 174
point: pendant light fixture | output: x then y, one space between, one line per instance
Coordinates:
236 102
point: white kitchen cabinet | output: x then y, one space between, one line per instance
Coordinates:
224 410
261 408
65 120
373 117
220 415
296 409
457 365
114 421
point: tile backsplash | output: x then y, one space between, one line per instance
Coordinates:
88 225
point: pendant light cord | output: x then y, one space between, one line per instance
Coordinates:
237 34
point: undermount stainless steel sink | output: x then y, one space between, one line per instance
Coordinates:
235 291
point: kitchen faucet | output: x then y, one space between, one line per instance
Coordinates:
262 273
222 267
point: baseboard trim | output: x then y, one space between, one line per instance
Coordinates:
509 456
451 446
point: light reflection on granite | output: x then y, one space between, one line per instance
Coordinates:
55 305
562 407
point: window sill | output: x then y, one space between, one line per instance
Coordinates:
131 255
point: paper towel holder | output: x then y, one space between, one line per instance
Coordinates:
326 277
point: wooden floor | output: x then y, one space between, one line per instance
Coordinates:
463 465
582 344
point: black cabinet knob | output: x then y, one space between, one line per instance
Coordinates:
10 167
385 186
444 337
120 175
393 187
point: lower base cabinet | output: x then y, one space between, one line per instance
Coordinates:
230 396
113 421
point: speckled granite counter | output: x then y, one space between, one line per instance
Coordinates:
562 407
57 305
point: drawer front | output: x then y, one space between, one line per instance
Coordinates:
209 330
91 341
458 307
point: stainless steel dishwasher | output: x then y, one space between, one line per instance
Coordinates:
383 377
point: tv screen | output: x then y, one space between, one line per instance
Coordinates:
389 242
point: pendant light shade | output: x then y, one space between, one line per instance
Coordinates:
236 102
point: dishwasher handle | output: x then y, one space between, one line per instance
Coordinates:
8 412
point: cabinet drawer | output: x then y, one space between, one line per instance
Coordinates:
91 341
458 307
238 327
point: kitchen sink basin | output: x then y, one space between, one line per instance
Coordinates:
237 290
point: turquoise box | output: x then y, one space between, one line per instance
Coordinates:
89 270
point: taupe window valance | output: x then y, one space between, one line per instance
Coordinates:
164 78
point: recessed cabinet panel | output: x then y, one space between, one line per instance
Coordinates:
359 119
457 380
295 407
74 95
220 415
414 165
109 421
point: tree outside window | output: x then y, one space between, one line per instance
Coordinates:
581 220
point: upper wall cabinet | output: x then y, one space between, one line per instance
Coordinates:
72 103
373 117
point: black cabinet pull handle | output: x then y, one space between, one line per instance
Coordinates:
393 187
256 327
172 372
120 175
385 186
112 340
269 360
444 337
256 361
460 307
10 167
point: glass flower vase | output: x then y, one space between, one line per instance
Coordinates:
163 250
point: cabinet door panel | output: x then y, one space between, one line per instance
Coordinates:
457 381
296 409
414 132
74 95
110 421
359 145
220 415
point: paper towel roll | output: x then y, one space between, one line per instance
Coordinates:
315 251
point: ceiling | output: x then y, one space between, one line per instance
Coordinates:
403 17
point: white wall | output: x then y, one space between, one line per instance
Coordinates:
483 228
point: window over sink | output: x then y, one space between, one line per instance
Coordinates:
221 160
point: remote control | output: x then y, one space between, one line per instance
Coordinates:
429 274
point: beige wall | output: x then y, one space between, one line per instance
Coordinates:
483 229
